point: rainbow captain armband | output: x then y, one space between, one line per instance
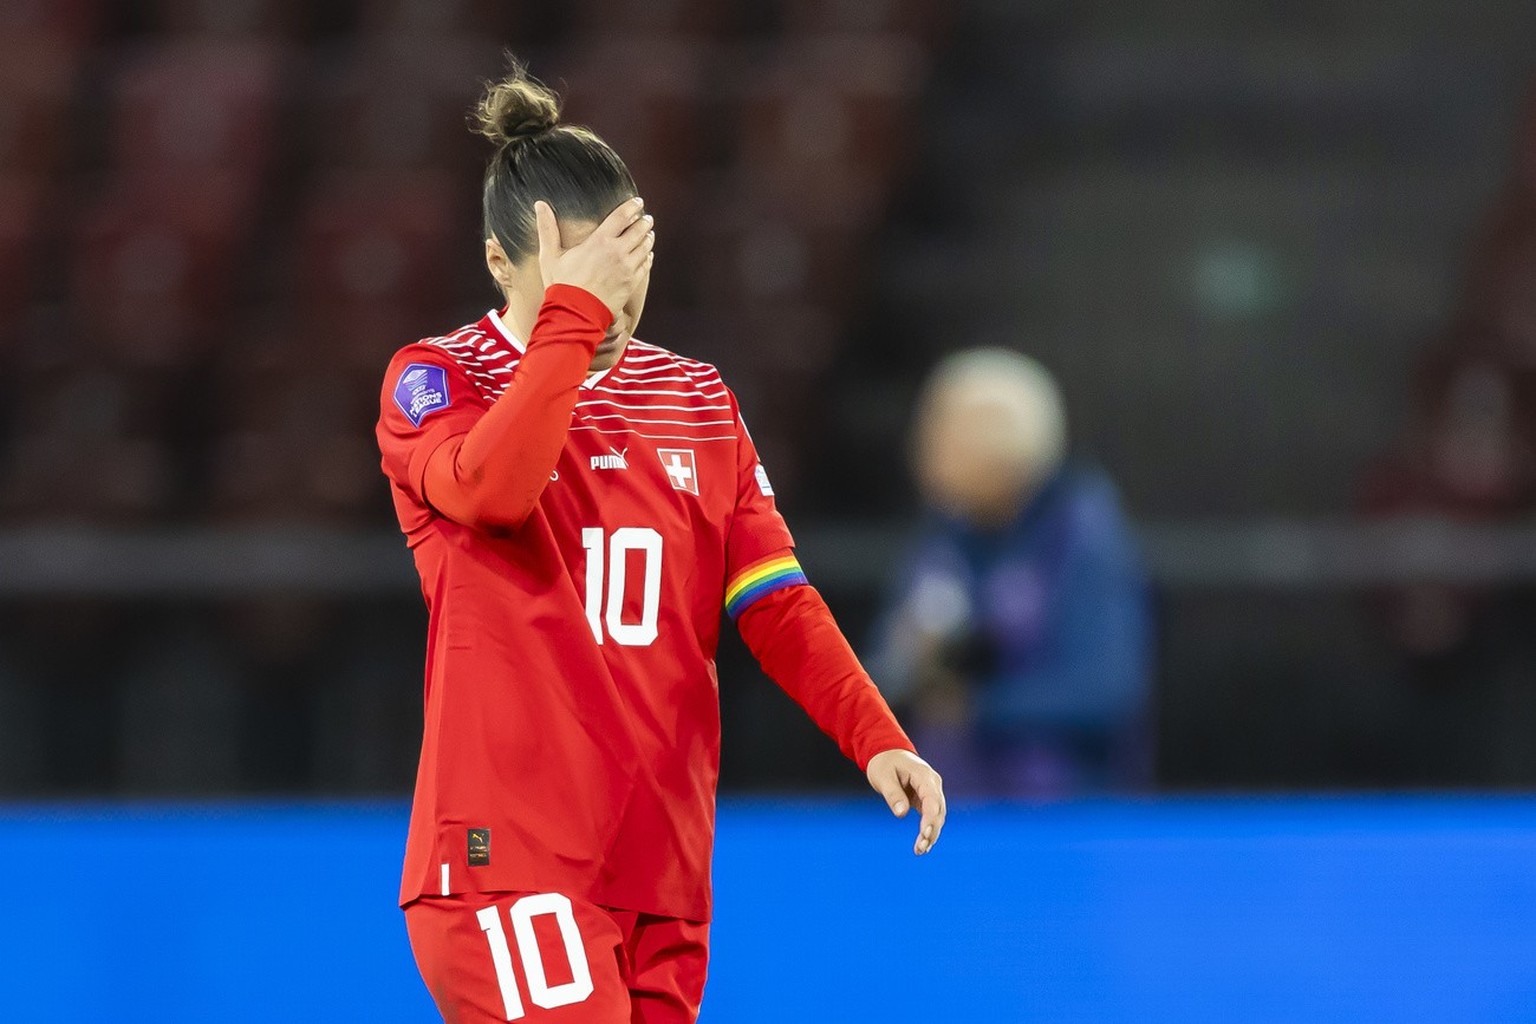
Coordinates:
760 579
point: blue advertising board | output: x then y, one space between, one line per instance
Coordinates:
1251 910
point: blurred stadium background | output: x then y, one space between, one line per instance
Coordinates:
1282 259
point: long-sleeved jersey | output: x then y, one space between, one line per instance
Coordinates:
577 536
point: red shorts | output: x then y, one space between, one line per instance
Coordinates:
536 957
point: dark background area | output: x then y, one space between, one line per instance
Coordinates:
1282 260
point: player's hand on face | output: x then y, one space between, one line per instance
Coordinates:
907 781
610 263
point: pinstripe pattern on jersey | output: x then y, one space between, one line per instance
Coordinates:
652 392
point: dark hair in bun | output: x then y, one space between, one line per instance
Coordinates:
538 157
516 107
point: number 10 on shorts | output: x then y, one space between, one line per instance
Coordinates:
540 990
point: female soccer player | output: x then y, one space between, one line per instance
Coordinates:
581 506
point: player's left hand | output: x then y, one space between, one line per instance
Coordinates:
907 781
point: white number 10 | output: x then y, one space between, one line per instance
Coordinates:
540 990
623 541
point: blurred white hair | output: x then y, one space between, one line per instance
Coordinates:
1020 399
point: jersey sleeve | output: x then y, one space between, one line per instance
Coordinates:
427 399
759 551
486 465
793 636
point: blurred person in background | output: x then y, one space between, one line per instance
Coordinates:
1018 630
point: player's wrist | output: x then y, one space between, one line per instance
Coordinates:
888 747
570 317
579 301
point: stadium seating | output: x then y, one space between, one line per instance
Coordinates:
230 19
190 106
87 451
22 230
74 21
218 219
377 252
156 265
262 163
38 77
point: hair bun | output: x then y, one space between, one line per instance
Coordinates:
516 107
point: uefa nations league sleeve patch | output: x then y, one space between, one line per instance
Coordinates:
421 391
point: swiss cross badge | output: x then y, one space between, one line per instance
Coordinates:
681 468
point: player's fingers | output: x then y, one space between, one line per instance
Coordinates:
549 230
930 797
643 249
889 787
621 218
635 235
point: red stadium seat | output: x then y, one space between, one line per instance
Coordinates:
55 479
832 117
21 218
272 478
230 18
293 426
156 263
296 441
277 377
61 20
383 252
37 80
193 105
87 450
369 239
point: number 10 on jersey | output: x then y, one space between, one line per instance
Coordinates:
608 556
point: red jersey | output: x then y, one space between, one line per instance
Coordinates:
572 730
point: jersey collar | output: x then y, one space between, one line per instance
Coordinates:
593 379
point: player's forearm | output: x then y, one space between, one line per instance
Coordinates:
493 475
792 634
